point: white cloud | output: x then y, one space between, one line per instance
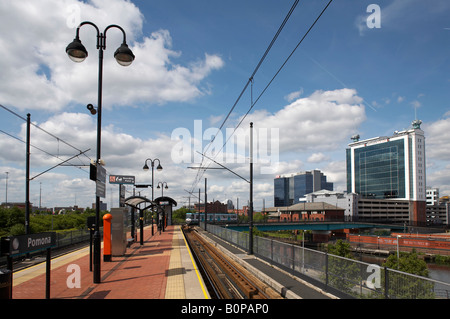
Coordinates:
416 104
321 121
122 153
294 95
37 74
337 174
440 179
437 135
317 158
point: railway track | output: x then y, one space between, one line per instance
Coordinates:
225 278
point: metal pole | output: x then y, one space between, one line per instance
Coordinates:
47 273
206 204
97 244
7 188
250 248
153 196
90 247
141 224
27 186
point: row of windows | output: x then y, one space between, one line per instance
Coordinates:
380 170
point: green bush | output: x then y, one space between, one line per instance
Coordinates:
12 221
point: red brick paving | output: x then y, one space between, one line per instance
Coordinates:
140 274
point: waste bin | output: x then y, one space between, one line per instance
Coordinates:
5 284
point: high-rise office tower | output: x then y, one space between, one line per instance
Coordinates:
288 189
390 168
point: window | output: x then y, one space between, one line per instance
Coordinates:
380 170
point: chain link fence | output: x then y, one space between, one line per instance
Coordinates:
352 278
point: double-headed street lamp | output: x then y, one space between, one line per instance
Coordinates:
124 56
146 168
161 186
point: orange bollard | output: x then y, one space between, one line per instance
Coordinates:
107 237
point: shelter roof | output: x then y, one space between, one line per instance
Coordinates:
163 199
135 201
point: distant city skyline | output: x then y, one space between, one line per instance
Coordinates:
290 189
367 68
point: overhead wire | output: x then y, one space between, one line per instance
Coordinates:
270 82
282 66
43 130
52 135
250 81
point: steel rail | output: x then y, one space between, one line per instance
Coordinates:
229 279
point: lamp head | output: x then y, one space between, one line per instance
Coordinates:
91 109
76 51
145 168
159 168
123 55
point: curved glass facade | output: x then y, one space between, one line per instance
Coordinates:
380 170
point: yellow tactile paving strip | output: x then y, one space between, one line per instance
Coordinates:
175 281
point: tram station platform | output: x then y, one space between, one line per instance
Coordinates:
161 268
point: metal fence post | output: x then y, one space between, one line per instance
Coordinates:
271 249
293 258
326 269
386 283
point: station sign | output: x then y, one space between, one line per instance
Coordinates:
100 189
20 245
121 179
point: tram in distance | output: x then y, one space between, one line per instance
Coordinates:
194 218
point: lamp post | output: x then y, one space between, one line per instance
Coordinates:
146 168
161 185
158 168
124 56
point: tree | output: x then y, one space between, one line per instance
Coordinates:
341 248
413 287
343 273
408 262
179 215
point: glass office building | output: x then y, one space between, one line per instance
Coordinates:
391 168
290 189
380 170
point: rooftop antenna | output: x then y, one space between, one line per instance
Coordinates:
415 111
416 123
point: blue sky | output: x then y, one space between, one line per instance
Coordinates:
193 59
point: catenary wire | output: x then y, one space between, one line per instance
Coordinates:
40 128
267 86
250 80
44 151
